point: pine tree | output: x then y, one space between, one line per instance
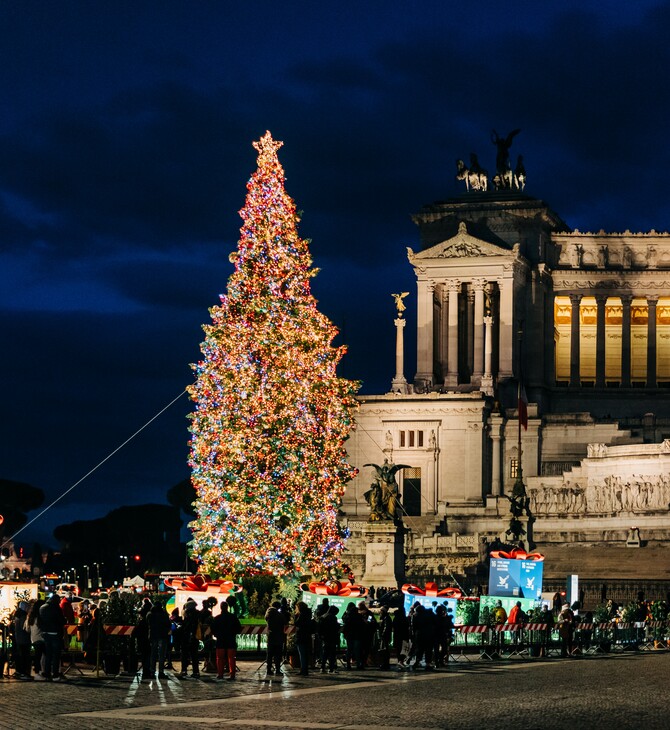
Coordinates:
271 416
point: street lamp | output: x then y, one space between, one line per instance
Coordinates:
125 565
88 577
97 573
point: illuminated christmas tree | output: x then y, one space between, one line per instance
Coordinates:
271 416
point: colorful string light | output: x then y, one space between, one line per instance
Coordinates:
271 416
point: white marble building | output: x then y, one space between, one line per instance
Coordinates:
503 287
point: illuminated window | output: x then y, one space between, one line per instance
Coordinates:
514 468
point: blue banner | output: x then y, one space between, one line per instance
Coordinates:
518 578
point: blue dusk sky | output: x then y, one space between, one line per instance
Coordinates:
125 147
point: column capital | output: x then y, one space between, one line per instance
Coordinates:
575 298
479 284
652 300
452 285
626 299
601 298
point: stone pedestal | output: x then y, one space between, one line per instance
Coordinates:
384 554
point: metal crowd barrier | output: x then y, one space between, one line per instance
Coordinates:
537 639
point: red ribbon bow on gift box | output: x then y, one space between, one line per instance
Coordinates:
431 591
516 554
335 588
202 582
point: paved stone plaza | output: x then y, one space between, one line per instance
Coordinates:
606 691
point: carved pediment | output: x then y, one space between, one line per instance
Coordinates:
462 245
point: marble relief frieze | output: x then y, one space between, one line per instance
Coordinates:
634 495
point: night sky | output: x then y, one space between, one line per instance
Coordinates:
125 147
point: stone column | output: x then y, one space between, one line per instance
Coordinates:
549 344
575 300
424 334
651 341
626 300
399 384
601 299
496 483
470 330
506 325
444 334
487 377
478 364
451 381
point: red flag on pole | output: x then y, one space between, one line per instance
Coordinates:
523 407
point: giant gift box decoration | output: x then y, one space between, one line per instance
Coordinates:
339 594
429 594
200 587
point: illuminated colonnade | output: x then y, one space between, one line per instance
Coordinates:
612 341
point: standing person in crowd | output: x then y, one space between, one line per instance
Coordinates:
329 634
225 627
557 602
320 612
401 635
209 648
189 640
36 638
566 629
441 636
499 620
352 629
21 642
586 631
422 627
285 610
52 623
141 636
95 638
385 638
276 622
85 619
175 637
546 617
517 616
159 637
302 620
368 635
